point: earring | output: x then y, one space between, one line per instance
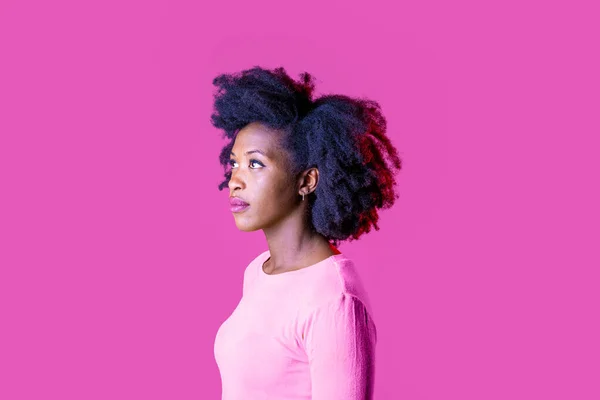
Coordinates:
302 196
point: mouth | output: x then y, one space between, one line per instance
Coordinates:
237 208
238 205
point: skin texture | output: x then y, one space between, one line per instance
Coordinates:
275 198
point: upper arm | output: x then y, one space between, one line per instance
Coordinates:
340 344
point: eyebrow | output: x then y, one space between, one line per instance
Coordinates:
253 151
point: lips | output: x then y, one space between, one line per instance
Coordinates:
237 202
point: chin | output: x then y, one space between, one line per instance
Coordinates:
245 227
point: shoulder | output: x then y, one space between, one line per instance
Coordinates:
251 270
343 320
252 266
339 282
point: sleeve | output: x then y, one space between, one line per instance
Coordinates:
340 339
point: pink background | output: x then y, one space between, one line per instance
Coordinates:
119 258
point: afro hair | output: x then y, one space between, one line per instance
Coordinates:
344 137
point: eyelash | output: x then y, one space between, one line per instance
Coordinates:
251 161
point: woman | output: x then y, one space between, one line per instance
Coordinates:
309 173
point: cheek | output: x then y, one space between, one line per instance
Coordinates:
274 194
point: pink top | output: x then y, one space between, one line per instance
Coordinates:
303 334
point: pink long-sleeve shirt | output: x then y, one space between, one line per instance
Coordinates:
303 334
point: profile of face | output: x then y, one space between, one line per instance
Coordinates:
261 177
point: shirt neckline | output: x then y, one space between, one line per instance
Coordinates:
291 274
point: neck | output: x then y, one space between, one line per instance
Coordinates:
291 249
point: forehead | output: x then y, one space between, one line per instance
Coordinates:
256 136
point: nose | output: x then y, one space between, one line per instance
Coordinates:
236 181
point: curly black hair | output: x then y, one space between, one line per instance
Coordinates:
341 136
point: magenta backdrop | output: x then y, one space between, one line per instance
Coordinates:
119 258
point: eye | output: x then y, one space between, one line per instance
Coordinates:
231 162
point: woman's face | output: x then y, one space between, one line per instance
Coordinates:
262 180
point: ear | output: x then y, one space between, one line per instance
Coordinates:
308 181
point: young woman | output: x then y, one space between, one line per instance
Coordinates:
309 173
